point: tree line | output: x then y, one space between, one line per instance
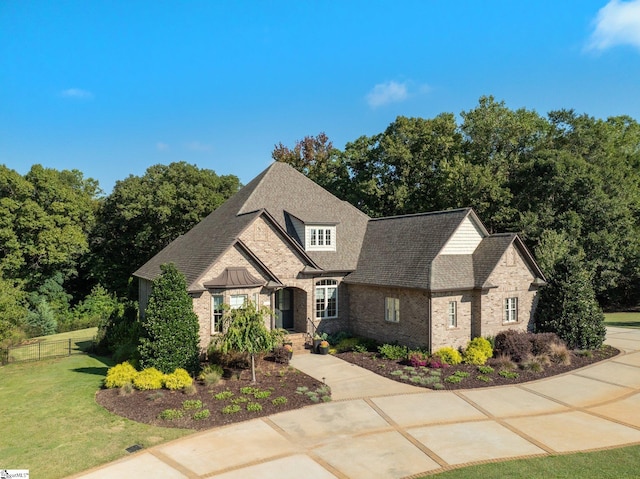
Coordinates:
67 252
568 182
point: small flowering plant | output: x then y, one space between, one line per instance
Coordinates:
324 344
288 348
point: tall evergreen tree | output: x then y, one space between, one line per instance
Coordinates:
567 306
170 336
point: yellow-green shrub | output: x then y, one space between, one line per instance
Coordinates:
474 356
119 375
178 379
478 351
448 355
149 378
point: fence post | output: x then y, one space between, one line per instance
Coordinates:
39 343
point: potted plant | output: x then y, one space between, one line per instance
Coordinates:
317 339
289 349
323 347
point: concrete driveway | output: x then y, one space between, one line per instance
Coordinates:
377 428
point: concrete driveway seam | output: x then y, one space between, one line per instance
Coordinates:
173 464
403 432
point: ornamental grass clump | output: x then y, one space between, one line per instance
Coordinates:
119 375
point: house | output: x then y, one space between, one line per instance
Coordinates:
429 280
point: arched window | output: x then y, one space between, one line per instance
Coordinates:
326 299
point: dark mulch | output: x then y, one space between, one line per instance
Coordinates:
385 367
279 379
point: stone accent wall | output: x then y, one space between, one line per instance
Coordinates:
444 335
367 315
513 278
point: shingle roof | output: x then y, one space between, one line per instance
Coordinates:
399 251
404 252
278 190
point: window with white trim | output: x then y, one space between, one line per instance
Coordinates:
217 311
511 310
326 299
452 312
392 310
238 301
320 238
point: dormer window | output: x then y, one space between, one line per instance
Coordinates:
320 238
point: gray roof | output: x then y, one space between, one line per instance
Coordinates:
399 251
404 252
277 192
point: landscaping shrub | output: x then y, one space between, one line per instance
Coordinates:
148 379
418 359
190 404
535 363
478 351
171 414
515 344
392 351
281 354
211 374
119 375
448 355
559 353
567 306
177 380
504 361
200 415
170 330
541 342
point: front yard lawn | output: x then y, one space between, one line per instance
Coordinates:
622 320
52 425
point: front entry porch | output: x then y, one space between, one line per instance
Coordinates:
290 310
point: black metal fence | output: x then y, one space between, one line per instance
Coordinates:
45 350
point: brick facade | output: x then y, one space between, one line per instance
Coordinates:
367 315
513 279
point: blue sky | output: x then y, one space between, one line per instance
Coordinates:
113 87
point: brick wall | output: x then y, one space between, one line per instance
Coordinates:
444 335
367 315
513 278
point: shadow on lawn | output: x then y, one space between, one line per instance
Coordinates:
98 371
623 324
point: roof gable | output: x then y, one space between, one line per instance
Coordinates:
399 251
278 191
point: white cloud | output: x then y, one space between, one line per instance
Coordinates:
197 146
384 93
77 93
617 23
160 146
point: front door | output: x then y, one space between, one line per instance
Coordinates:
284 309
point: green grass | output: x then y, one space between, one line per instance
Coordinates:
31 351
611 464
52 425
622 320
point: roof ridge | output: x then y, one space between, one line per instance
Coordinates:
426 213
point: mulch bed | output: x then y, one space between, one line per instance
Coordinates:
385 367
279 379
